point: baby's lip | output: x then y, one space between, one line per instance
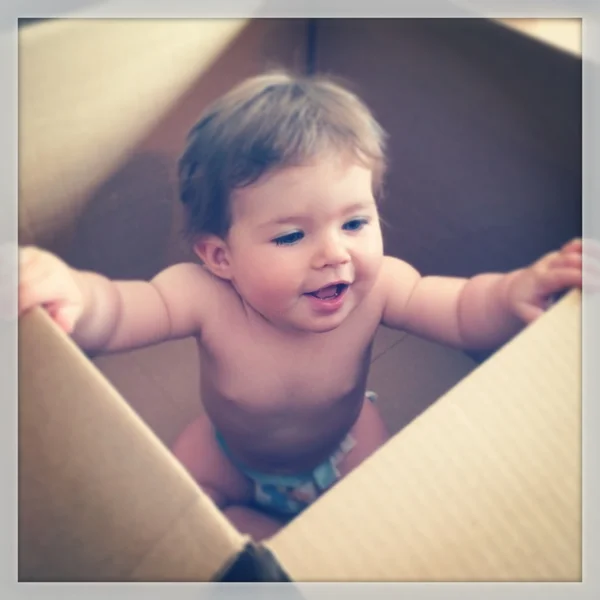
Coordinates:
341 282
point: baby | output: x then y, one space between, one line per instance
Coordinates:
280 180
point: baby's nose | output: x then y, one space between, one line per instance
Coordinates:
333 252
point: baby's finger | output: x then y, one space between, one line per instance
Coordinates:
64 315
27 297
36 289
32 260
567 259
556 280
548 260
574 245
26 255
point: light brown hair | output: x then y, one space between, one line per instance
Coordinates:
268 122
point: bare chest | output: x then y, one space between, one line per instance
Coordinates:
273 373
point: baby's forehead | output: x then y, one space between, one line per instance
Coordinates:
306 192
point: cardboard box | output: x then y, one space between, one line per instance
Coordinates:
561 33
482 485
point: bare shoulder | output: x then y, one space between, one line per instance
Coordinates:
398 280
192 273
185 276
397 275
189 292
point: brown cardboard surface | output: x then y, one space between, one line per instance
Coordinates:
412 375
89 91
485 138
485 485
161 383
564 34
100 498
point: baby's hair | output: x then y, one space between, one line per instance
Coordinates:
268 122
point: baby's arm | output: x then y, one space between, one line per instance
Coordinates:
483 311
104 315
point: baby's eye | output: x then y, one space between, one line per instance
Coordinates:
355 224
289 238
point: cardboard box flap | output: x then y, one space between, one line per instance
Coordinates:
485 485
100 497
89 91
564 34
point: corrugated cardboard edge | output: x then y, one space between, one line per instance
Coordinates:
100 497
72 546
483 486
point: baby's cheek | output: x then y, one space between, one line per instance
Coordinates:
372 257
273 275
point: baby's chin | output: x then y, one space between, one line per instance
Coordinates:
322 325
304 328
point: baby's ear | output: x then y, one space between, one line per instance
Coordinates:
214 253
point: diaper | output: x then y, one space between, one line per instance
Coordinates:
288 495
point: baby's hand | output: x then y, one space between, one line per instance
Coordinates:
45 280
532 289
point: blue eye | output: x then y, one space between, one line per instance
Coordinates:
289 238
355 224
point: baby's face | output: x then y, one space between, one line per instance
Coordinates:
305 245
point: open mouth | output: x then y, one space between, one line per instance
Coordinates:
329 292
